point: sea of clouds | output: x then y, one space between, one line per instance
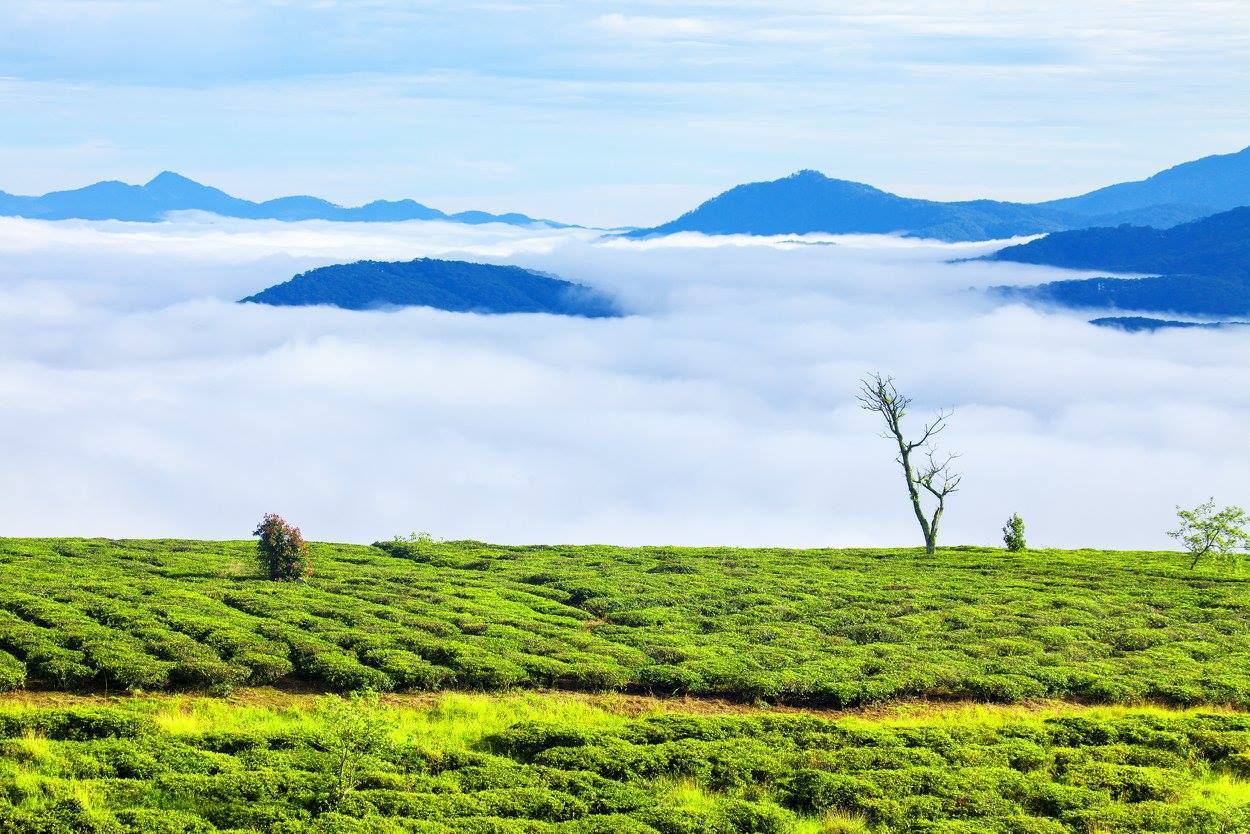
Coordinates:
140 400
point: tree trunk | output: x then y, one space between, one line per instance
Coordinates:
904 458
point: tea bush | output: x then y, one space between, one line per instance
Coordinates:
827 628
542 765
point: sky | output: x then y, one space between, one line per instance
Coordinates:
141 402
611 113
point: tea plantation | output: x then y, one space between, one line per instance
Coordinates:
1129 673
836 628
544 764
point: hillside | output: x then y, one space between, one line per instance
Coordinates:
906 639
825 628
168 192
458 286
1177 294
1214 183
1200 268
808 202
1217 246
558 765
1141 324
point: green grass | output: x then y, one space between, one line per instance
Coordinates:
531 763
993 693
835 628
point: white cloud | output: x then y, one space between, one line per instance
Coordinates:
140 401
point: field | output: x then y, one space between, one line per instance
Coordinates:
539 763
819 628
160 686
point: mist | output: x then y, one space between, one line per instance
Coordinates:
140 400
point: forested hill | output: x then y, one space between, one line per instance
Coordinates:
1200 268
1216 246
458 286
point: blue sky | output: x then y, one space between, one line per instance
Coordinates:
616 113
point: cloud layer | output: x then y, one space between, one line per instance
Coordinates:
141 401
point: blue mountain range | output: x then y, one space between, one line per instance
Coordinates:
809 202
167 192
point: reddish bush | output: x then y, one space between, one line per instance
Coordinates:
282 552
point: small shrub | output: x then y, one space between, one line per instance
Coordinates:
12 672
1013 534
282 552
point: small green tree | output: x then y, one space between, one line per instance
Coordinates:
1013 534
1204 531
282 552
354 732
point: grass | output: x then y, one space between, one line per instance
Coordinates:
160 687
825 629
551 763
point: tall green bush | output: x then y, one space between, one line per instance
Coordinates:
1013 534
281 550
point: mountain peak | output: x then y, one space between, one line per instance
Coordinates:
166 179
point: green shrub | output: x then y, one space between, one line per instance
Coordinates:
1013 534
816 791
281 550
12 672
162 821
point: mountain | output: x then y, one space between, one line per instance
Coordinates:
809 201
458 286
1140 324
168 192
1191 295
1200 268
1211 184
1216 246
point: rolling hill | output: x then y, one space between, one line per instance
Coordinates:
605 690
815 628
1216 246
1200 268
809 202
458 286
168 192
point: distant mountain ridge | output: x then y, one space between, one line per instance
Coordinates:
1200 268
457 286
1213 247
1141 324
167 192
809 202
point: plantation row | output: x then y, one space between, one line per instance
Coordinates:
835 628
131 770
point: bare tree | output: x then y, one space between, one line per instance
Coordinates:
933 474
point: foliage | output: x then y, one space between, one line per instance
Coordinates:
354 731
1013 534
282 552
828 628
1204 531
553 765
